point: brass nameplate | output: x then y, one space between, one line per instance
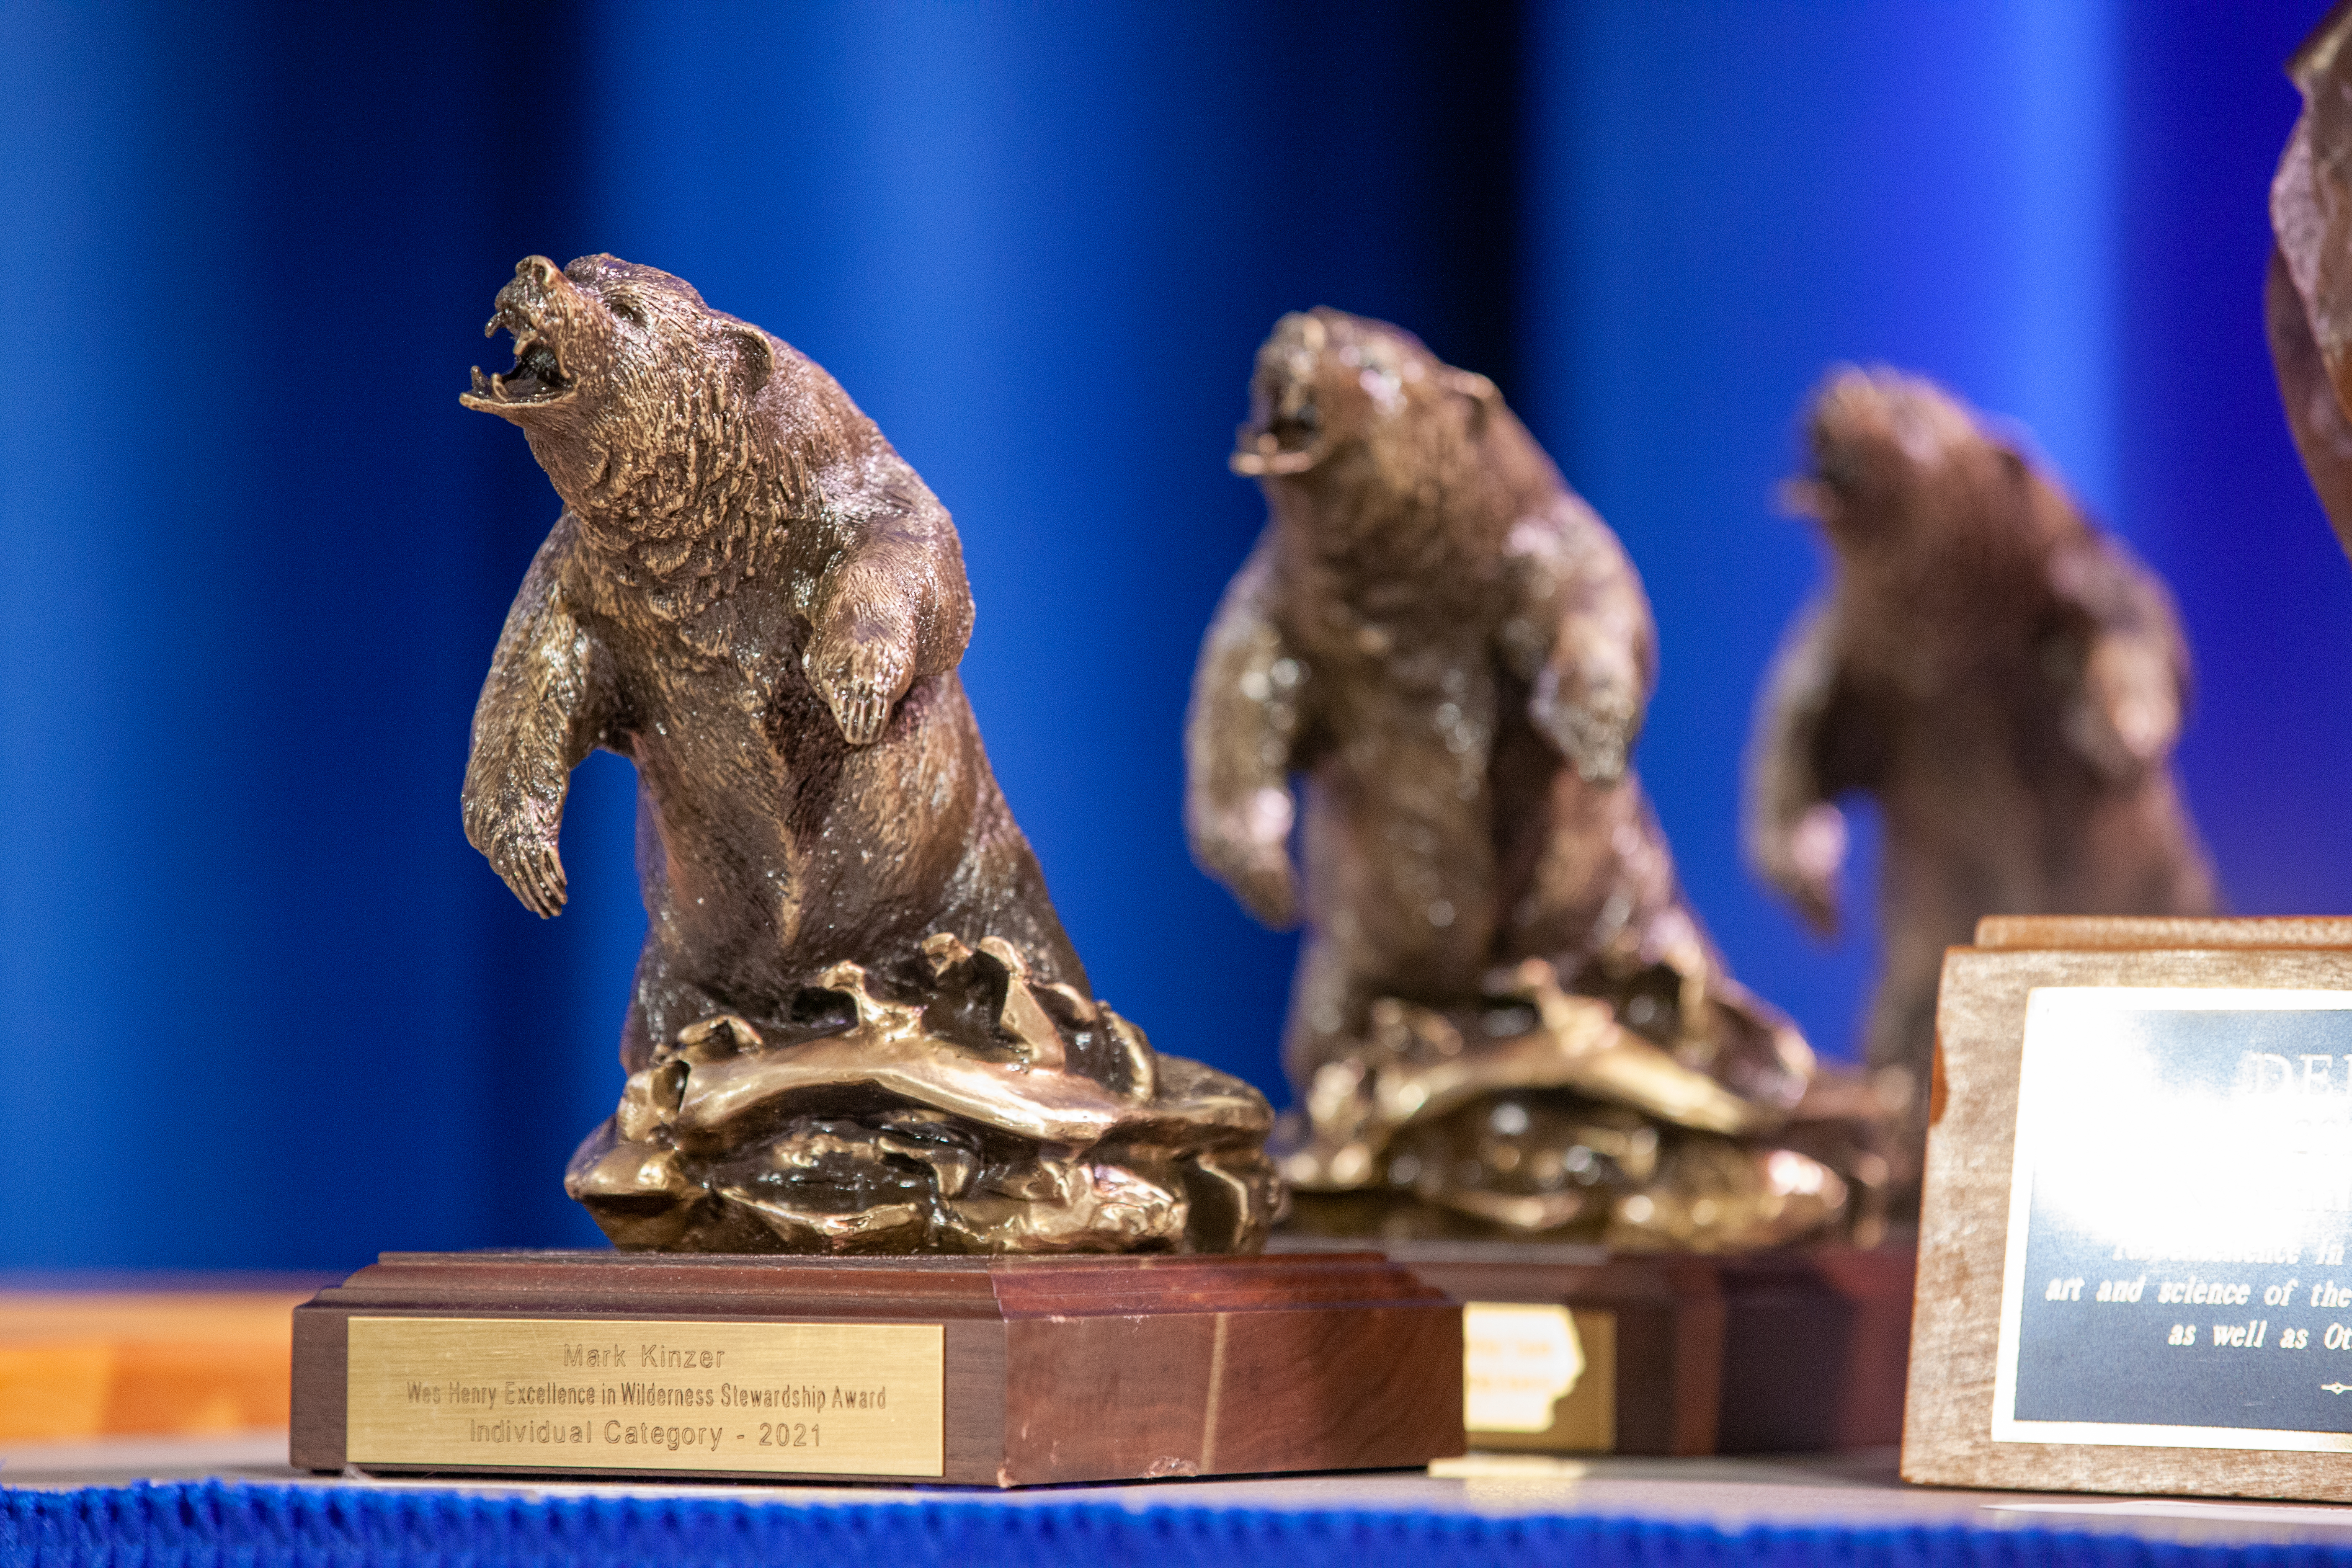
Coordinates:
865 1399
1539 1376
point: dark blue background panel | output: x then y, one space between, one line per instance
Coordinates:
257 1004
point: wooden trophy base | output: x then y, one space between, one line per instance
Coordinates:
998 1372
1802 1351
2152 1393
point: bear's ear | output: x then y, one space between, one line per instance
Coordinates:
1469 384
754 360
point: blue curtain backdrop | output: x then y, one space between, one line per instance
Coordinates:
259 1003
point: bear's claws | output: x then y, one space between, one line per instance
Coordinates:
1260 876
861 681
1270 892
535 871
861 713
1804 863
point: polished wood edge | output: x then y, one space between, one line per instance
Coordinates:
1699 1332
316 1438
792 1286
974 1401
916 1263
2146 933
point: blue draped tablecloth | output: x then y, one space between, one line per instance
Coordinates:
224 1524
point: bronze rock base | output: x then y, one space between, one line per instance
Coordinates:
1706 1195
994 1115
1543 1115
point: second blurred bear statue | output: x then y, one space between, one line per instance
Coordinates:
857 1025
1507 1020
2005 680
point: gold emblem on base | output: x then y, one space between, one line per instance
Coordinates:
1539 1376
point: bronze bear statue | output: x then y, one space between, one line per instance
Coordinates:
1506 1017
858 1023
2004 679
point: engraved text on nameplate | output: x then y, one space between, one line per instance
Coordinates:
593 1394
2179 1207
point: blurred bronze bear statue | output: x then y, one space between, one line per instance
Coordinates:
2004 679
1506 1019
857 1025
2308 296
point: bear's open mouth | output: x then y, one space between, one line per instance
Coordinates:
538 373
1289 443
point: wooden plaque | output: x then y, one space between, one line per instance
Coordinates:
987 1371
1800 1350
2139 1197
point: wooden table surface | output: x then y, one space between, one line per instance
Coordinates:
83 1362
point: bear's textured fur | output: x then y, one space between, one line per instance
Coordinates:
753 597
856 1023
1451 654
